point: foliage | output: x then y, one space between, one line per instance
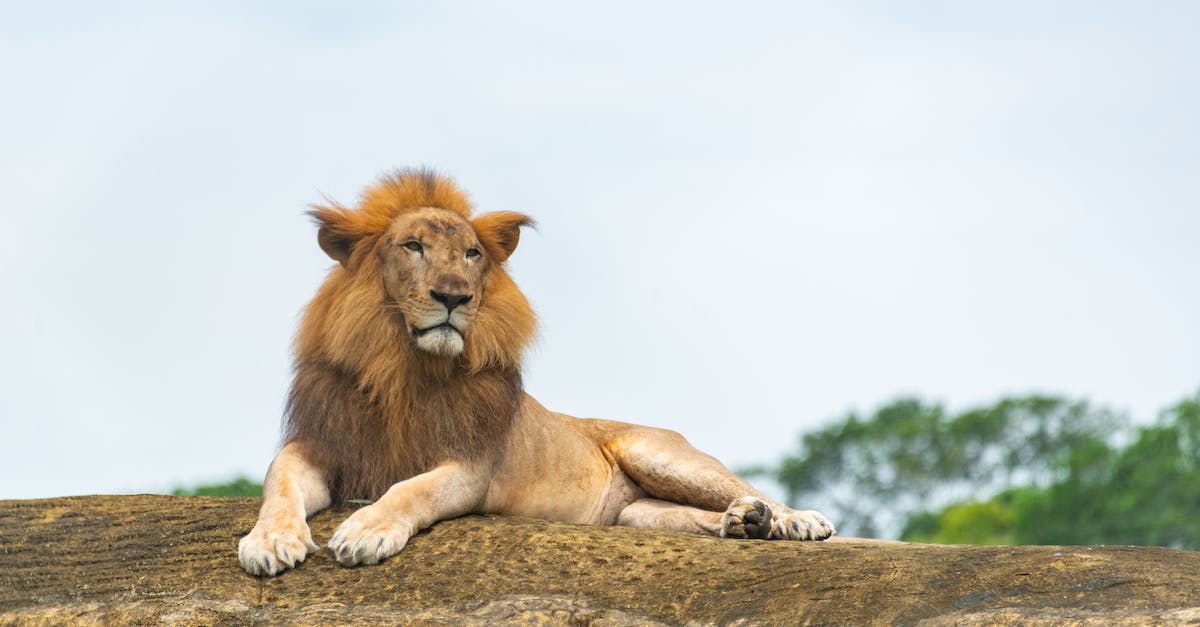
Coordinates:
1148 493
241 486
870 474
1025 470
971 522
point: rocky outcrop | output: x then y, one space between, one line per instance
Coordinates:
158 559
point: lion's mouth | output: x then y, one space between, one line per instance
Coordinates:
445 325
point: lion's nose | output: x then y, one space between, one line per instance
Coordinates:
450 300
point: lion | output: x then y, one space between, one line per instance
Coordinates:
407 392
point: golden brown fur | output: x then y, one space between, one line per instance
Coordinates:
362 405
407 391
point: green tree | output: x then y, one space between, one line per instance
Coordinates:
871 474
1147 493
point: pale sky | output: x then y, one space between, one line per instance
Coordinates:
753 218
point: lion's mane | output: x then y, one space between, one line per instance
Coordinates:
366 407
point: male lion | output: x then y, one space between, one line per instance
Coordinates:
407 391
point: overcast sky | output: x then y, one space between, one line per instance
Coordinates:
752 219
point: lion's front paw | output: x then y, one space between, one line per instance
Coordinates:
806 525
746 517
273 547
368 536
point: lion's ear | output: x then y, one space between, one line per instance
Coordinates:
501 231
337 234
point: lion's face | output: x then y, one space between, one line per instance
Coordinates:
434 270
413 260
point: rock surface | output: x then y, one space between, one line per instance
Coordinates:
173 560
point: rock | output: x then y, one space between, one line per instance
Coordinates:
173 560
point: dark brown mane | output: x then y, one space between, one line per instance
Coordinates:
364 405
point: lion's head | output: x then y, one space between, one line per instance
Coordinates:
416 268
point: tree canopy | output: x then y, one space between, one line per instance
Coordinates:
1025 470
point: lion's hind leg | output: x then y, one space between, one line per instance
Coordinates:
747 517
667 516
671 470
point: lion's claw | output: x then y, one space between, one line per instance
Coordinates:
367 537
272 550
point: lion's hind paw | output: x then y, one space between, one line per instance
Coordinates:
747 517
801 525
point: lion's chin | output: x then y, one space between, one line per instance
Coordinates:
442 340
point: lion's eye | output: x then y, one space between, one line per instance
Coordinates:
472 252
414 246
